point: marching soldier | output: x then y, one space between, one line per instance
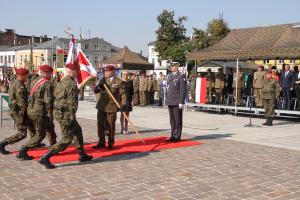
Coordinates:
210 84
65 108
107 108
40 111
257 85
143 90
18 96
135 82
270 92
219 86
237 85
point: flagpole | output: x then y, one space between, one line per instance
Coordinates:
236 85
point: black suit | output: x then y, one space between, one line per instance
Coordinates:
176 88
287 80
297 89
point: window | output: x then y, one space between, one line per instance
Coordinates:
87 46
266 61
9 59
292 61
104 47
1 59
153 60
281 61
21 58
5 59
96 47
96 60
159 63
104 58
13 58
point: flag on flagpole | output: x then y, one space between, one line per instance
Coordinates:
75 54
59 50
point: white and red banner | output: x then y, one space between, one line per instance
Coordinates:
86 71
200 90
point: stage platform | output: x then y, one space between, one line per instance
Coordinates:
242 110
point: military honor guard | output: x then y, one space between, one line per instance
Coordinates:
107 108
65 108
18 96
175 97
257 85
40 111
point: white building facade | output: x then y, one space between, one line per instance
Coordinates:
159 66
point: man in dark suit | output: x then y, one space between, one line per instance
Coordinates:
175 97
297 86
287 80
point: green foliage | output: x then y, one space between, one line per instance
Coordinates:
171 37
217 29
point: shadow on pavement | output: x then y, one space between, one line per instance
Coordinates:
211 136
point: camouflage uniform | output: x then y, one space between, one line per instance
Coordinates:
270 92
65 108
40 117
135 91
192 89
18 96
210 84
143 90
219 87
238 84
257 86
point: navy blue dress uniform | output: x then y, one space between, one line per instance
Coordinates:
175 97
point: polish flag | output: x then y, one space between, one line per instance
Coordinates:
86 71
59 50
200 90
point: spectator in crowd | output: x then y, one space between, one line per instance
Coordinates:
257 85
129 91
297 87
135 82
287 80
210 85
159 80
150 90
238 84
229 80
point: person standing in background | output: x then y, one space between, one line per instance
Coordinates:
257 85
287 81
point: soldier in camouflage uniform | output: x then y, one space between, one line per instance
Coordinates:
40 111
210 85
238 84
219 86
65 108
192 88
17 108
270 92
135 82
257 85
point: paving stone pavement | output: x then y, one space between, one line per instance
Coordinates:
217 169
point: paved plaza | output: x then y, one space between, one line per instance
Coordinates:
234 162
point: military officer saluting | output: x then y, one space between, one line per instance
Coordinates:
40 111
107 108
65 108
176 88
18 96
270 92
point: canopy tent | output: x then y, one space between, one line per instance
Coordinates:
126 59
268 42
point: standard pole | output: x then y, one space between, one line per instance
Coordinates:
236 85
126 117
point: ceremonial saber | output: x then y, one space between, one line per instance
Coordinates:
118 105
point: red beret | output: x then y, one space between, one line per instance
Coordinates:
73 66
22 71
46 68
109 68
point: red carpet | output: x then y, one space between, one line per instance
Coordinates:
120 147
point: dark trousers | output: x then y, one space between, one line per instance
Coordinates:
297 91
176 121
286 98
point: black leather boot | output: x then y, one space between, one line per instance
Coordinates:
23 154
99 145
45 160
83 157
3 143
267 122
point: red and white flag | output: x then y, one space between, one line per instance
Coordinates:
86 71
59 50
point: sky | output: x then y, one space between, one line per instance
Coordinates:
133 22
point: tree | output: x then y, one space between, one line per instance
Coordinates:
216 30
170 37
199 39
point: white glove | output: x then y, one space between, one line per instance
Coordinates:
181 106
